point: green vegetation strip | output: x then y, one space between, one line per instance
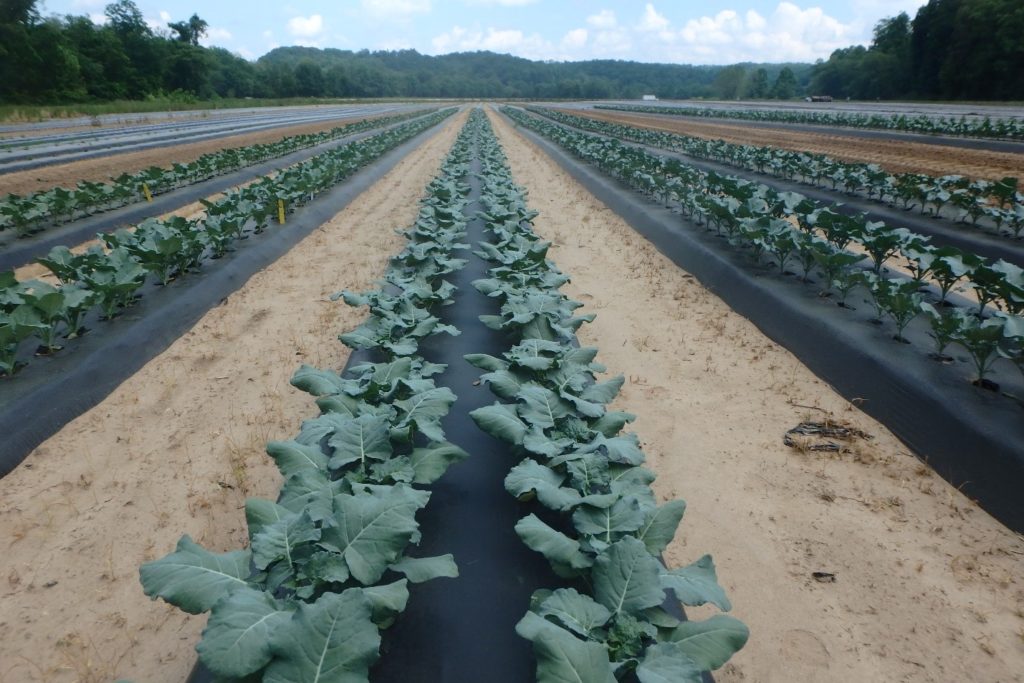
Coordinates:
37 211
110 278
997 206
757 218
987 127
324 570
579 465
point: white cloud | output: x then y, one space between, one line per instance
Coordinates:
306 27
245 54
754 21
616 42
789 33
651 20
575 39
395 9
165 16
603 19
511 41
98 19
608 39
216 34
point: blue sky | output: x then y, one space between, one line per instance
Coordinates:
660 31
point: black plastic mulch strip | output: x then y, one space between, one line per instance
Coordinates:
971 437
983 144
16 252
51 392
942 231
463 630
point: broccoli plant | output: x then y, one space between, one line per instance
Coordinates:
982 340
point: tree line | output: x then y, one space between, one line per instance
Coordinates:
950 50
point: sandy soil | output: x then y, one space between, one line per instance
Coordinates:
927 586
106 168
176 449
894 155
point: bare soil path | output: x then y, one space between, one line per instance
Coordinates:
177 449
102 169
927 586
892 155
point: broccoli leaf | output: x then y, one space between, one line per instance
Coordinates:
192 578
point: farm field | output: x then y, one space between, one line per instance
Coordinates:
892 155
856 562
47 158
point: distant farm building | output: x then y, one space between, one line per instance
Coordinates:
650 98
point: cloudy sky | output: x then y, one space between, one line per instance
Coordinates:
679 31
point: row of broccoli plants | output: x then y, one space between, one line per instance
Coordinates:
986 127
760 219
612 624
1004 286
996 206
109 277
37 211
329 563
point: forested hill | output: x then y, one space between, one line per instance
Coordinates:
306 70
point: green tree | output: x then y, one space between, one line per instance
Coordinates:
188 70
189 31
757 87
104 65
18 12
146 54
230 75
729 82
933 30
126 18
985 55
336 82
785 85
309 80
892 35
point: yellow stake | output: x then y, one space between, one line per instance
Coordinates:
145 191
280 211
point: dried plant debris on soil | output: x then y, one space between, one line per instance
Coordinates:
821 436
